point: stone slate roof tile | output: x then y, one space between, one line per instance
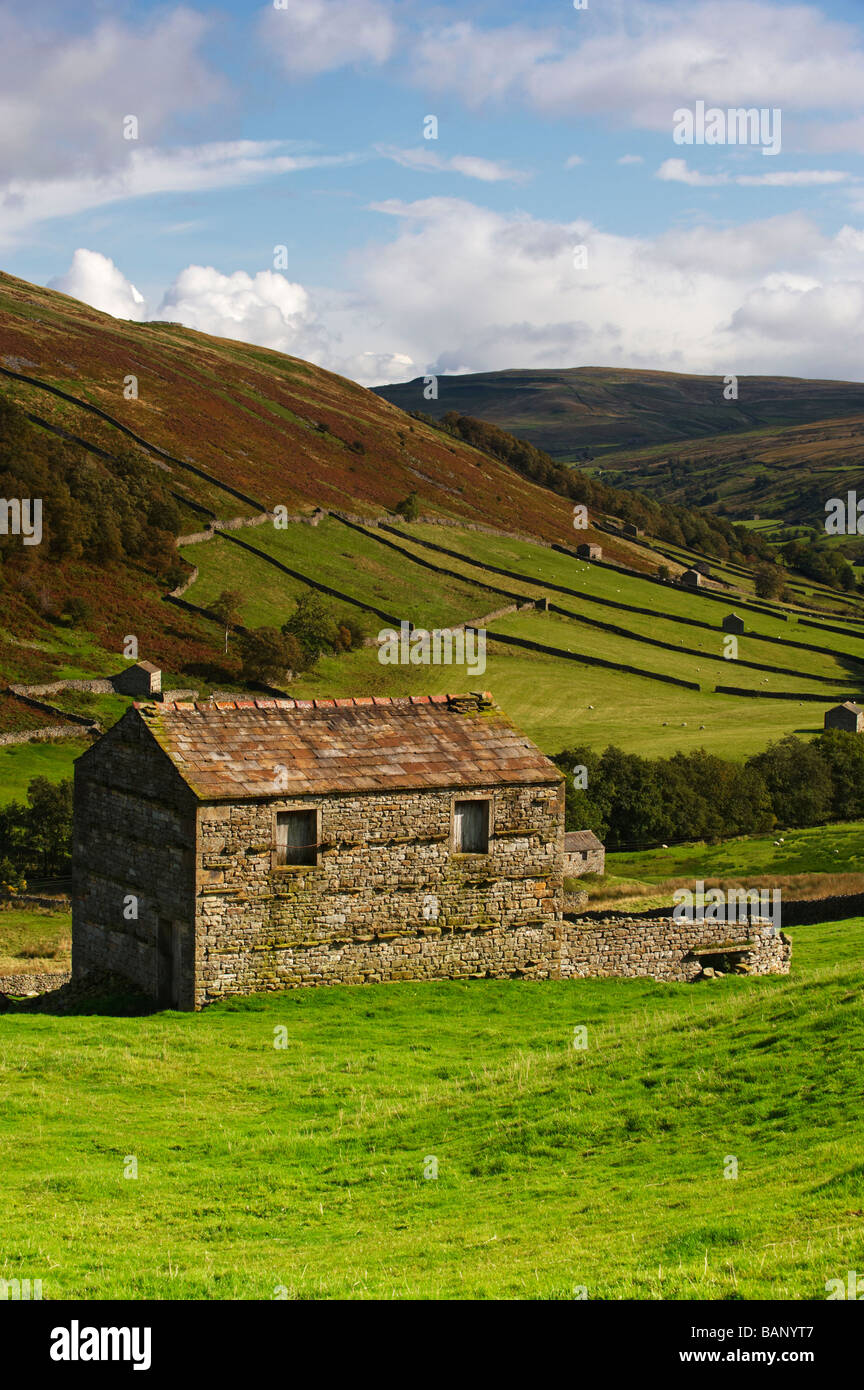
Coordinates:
580 839
232 750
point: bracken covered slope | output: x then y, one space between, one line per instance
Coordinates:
276 429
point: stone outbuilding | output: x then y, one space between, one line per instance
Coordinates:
691 579
236 846
583 854
141 679
703 567
846 716
732 623
589 552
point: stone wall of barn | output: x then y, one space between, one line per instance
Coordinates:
388 899
578 862
133 853
666 949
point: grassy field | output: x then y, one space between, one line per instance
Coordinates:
823 849
20 762
334 555
261 1169
34 940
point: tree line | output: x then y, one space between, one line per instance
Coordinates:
635 802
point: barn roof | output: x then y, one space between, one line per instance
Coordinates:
228 750
581 839
847 704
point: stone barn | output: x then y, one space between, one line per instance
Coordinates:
703 567
732 623
846 716
247 845
141 679
589 552
583 854
691 579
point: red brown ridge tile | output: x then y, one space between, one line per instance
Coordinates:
438 699
284 704
184 704
224 704
324 704
363 700
341 704
305 704
381 700
265 704
419 699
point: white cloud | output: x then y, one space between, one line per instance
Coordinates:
95 280
265 308
771 296
430 161
678 171
573 161
221 164
63 97
314 36
631 159
639 63
794 178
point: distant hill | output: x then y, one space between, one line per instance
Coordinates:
673 435
575 412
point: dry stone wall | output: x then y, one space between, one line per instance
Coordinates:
666 949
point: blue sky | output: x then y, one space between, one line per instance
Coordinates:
300 125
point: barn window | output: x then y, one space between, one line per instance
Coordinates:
471 827
296 837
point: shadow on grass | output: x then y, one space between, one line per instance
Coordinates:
110 997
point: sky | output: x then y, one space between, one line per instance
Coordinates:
394 188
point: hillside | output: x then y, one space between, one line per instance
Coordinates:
273 428
783 447
615 651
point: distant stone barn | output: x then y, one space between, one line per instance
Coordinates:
587 551
248 845
583 854
691 579
846 716
141 679
733 623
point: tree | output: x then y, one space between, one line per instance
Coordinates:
798 781
409 507
227 608
769 580
269 655
312 626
